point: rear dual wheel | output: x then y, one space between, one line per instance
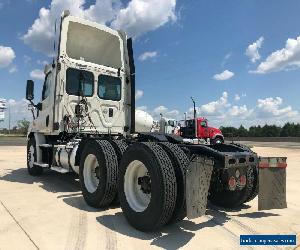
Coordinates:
147 186
180 164
151 180
98 173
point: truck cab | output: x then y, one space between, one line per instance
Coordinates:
204 131
88 87
167 126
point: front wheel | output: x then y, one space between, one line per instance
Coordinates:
217 140
32 158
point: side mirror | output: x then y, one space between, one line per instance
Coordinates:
30 90
39 106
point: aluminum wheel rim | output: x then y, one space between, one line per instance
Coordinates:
136 198
31 156
91 181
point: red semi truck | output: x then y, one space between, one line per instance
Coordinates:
201 131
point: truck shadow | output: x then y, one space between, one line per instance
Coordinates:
176 235
51 181
172 236
54 182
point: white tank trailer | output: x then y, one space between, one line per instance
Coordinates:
86 123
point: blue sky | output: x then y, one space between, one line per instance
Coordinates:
184 48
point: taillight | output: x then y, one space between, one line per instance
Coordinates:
242 181
232 183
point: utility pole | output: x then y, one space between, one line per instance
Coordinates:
195 118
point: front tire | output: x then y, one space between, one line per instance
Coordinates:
98 173
147 186
32 158
217 140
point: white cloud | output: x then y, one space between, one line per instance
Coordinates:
13 69
37 74
143 108
214 108
239 111
226 58
137 18
237 97
141 16
40 62
252 50
166 112
225 75
160 109
271 107
7 55
172 114
147 55
27 59
139 94
285 59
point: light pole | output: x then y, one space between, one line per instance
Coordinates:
8 118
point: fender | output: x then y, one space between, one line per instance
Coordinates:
80 149
218 135
39 139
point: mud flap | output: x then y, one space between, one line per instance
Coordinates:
272 183
197 184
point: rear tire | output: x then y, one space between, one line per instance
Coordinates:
180 163
233 199
120 147
32 157
147 186
98 173
254 191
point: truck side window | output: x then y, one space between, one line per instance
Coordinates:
79 82
47 86
204 124
109 87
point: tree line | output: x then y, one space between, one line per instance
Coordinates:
288 130
20 129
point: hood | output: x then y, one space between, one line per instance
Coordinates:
213 130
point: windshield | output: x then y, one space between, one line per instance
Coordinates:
190 123
171 123
79 82
109 87
90 44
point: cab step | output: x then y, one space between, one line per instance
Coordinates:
41 164
60 170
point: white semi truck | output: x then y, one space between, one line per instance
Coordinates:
85 123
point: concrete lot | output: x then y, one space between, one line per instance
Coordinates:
48 212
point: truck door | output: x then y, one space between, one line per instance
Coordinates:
203 130
44 120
